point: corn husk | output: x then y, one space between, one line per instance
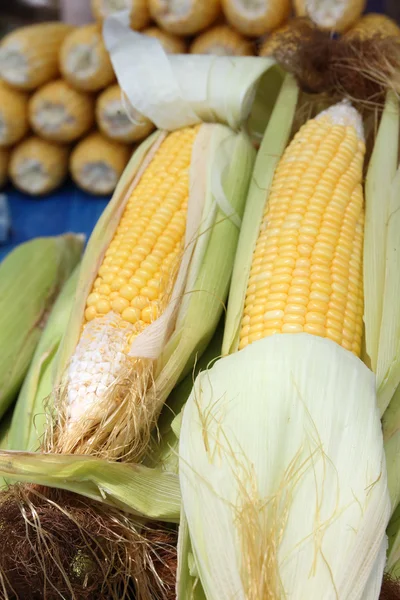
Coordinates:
29 418
391 437
30 279
393 554
301 428
185 92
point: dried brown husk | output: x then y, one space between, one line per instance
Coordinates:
390 589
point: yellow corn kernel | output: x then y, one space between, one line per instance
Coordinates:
156 210
139 11
4 165
115 123
172 44
14 123
29 55
84 60
331 14
189 19
222 40
59 113
255 19
38 166
97 163
309 249
372 25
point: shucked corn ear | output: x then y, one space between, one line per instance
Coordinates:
30 278
38 166
30 414
331 14
222 40
59 113
97 163
14 122
114 121
371 25
139 10
29 55
186 19
255 19
279 496
84 61
172 44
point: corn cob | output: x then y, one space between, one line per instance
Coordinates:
184 20
371 25
172 44
330 14
221 40
29 55
4 165
113 120
30 278
29 416
84 61
97 163
59 113
13 115
139 11
254 487
38 166
255 19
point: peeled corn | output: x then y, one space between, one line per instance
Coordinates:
331 14
184 19
113 120
13 115
255 18
172 44
30 278
59 113
84 61
139 10
372 25
223 41
97 163
38 166
29 55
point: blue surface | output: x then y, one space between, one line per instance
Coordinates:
69 209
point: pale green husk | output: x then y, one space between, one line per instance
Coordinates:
378 200
30 413
288 422
30 278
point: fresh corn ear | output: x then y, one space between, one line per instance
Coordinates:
188 20
139 11
14 122
372 25
29 55
114 121
255 19
59 113
172 44
84 61
31 411
222 40
97 163
278 496
331 14
30 279
38 166
5 154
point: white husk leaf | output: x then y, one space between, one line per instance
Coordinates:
283 475
174 91
381 171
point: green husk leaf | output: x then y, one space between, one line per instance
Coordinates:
272 147
393 553
133 488
30 279
29 418
391 438
378 197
